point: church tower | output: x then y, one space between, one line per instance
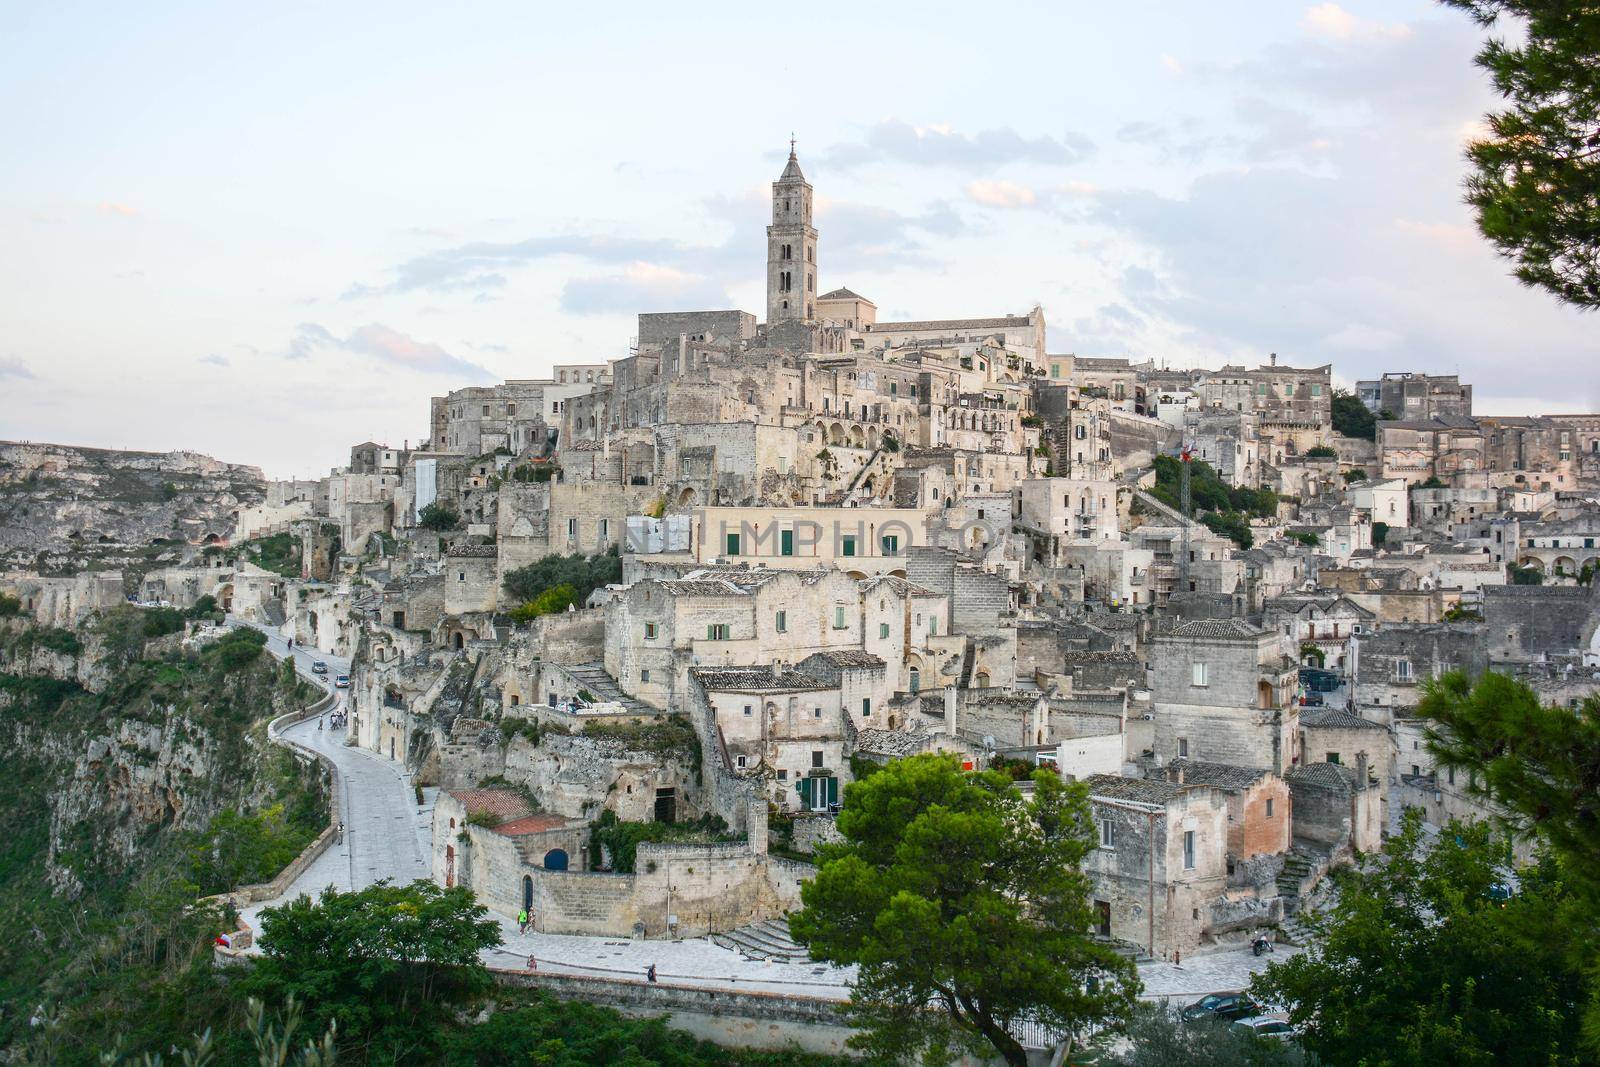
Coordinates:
791 249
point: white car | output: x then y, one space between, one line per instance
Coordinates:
342 682
1274 1026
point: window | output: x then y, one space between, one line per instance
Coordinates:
1452 775
1333 757
1183 747
717 631
732 544
1188 850
891 544
838 618
816 712
461 576
816 757
848 543
933 625
605 528
883 631
644 675
1200 675
738 761
786 542
783 775
649 631
1108 833
747 711
781 623
1402 670
1269 807
866 705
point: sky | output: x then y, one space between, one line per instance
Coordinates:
268 233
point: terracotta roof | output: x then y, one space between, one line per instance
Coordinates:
1329 776
1335 718
1220 775
1235 629
474 551
1138 790
851 657
844 294
530 824
504 804
755 680
926 325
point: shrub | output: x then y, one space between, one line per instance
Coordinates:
439 517
158 622
1354 474
10 606
205 607
580 574
1322 452
1310 540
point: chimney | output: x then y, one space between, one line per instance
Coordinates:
950 710
1361 770
1178 773
1274 359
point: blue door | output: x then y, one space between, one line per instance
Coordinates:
555 859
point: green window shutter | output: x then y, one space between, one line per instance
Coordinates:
804 788
849 546
833 790
786 542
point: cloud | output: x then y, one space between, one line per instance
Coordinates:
1333 23
896 141
642 287
112 207
215 360
479 265
384 345
1172 64
13 367
1001 193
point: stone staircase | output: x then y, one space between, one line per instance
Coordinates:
767 940
603 688
1297 867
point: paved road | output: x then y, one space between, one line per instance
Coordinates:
388 836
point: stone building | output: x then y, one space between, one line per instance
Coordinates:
1160 863
1408 395
1224 692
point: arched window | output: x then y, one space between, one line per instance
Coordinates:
914 678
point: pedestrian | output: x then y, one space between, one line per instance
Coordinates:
650 975
340 832
319 724
533 964
522 921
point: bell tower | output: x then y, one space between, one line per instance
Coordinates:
791 248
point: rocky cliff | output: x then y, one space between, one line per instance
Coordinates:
61 505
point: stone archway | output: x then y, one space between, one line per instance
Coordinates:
555 859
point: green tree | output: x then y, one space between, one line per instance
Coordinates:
439 517
391 964
965 908
583 574
1539 765
10 606
1351 417
1423 959
1535 182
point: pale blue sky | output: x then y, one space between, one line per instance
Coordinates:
269 233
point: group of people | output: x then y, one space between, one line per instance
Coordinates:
336 720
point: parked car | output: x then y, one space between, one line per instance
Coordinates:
1222 1006
1273 1026
319 667
342 682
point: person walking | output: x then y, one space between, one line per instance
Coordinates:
522 921
650 974
340 833
533 964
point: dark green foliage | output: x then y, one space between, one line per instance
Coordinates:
438 517
389 963
622 839
583 573
169 491
1421 960
1535 181
158 622
1229 524
54 639
1163 1038
205 607
541 1030
10 606
1223 509
238 849
552 601
951 890
671 734
1354 474
237 648
1524 575
1310 540
1431 482
279 553
1322 452
1380 533
1539 765
1351 417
